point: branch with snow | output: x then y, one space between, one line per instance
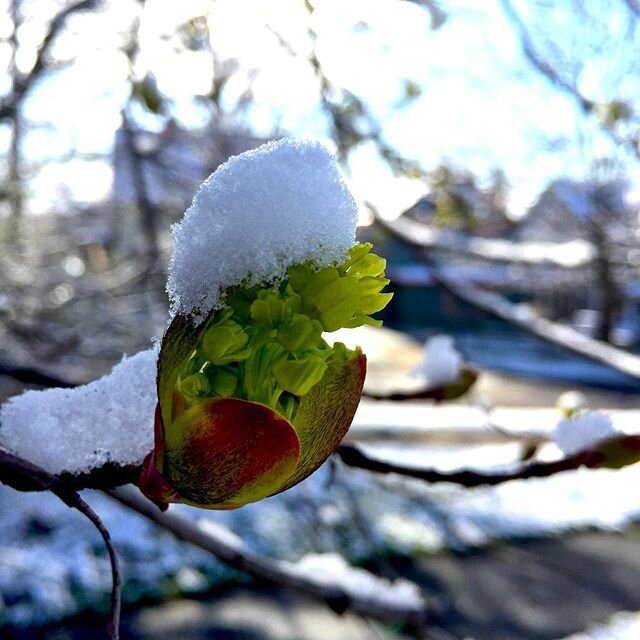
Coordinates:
587 439
106 423
437 393
519 314
341 587
583 431
573 254
354 456
523 316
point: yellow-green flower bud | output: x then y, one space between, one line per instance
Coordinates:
254 399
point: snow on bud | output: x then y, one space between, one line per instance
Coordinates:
442 363
594 433
583 431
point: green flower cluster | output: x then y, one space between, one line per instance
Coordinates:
266 345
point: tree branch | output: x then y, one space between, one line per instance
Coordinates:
451 391
31 375
147 210
575 254
267 570
23 475
354 456
586 105
113 626
523 316
22 84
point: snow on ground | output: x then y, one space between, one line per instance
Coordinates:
384 419
259 213
110 419
333 569
623 626
54 564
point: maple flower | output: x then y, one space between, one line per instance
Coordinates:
254 400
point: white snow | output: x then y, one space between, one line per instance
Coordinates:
333 569
257 214
441 362
223 534
583 431
623 626
404 516
572 253
110 419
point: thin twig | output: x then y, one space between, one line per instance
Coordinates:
22 475
354 456
451 391
586 105
22 84
146 208
32 375
113 627
266 569
572 254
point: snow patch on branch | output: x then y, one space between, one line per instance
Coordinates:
583 431
441 362
331 569
259 213
76 430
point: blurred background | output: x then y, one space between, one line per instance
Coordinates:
494 149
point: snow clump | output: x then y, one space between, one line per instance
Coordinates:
441 362
75 430
583 431
331 569
281 204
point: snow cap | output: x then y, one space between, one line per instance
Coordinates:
583 431
441 362
281 204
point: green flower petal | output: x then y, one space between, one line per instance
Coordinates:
298 376
224 343
338 302
368 265
301 334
